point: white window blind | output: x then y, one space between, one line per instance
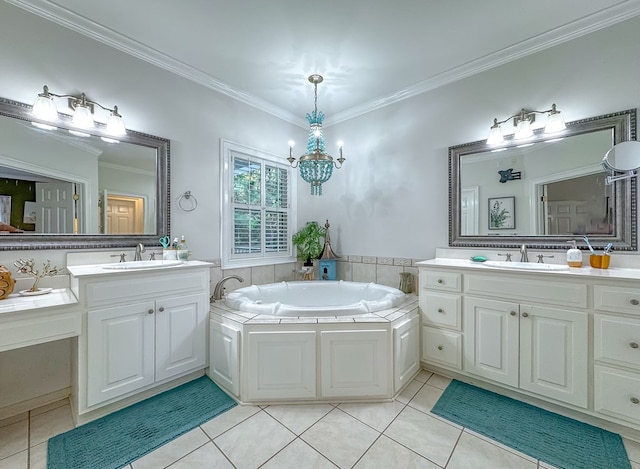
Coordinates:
257 217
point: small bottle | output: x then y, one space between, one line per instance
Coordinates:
183 250
574 255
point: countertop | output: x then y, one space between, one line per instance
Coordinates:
585 271
94 270
57 297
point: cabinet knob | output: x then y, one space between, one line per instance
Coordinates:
633 345
440 347
150 311
635 400
161 309
634 302
525 315
440 310
512 313
442 281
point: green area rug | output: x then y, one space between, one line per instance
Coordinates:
122 437
557 440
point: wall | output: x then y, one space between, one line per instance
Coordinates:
390 198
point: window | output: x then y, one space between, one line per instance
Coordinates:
257 207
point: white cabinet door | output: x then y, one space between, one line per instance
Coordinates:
491 339
181 334
120 353
355 363
553 353
281 365
406 353
224 358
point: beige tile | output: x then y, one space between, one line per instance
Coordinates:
388 274
228 419
48 407
423 376
438 381
50 424
207 456
475 453
430 437
542 465
298 418
14 438
634 465
363 272
386 453
254 441
633 449
17 461
377 415
38 456
409 391
14 419
172 451
340 438
500 445
298 455
426 398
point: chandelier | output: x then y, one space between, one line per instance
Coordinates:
316 165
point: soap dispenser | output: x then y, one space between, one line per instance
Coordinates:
574 255
183 250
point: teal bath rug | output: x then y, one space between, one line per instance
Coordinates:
124 436
557 440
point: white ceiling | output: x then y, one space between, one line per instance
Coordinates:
370 52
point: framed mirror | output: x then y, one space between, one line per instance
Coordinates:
63 190
545 191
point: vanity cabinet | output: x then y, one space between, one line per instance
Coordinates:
143 330
617 352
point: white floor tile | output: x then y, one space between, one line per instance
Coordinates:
254 441
426 398
386 453
408 392
172 451
424 434
14 419
206 457
17 461
50 424
423 376
340 438
475 453
500 445
633 450
635 465
48 407
298 418
298 455
38 456
376 415
228 419
439 381
14 438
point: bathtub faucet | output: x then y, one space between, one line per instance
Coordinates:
218 291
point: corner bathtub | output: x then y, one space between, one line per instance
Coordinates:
314 298
314 341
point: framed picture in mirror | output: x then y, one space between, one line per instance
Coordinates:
502 215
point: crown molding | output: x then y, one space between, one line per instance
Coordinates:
588 24
567 32
93 30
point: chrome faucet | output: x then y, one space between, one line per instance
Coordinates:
139 251
218 291
524 257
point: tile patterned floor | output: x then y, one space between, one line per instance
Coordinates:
398 434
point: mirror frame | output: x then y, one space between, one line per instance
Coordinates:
17 110
623 125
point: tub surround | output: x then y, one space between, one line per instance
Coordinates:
564 339
263 359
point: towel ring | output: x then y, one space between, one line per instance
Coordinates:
187 198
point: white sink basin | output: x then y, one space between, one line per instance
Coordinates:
526 266
140 265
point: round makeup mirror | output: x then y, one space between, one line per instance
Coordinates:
623 157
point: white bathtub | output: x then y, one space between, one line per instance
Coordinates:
314 298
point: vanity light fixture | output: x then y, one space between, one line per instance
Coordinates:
45 108
316 165
522 122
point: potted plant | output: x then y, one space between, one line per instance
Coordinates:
309 242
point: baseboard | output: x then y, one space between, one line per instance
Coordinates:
30 404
